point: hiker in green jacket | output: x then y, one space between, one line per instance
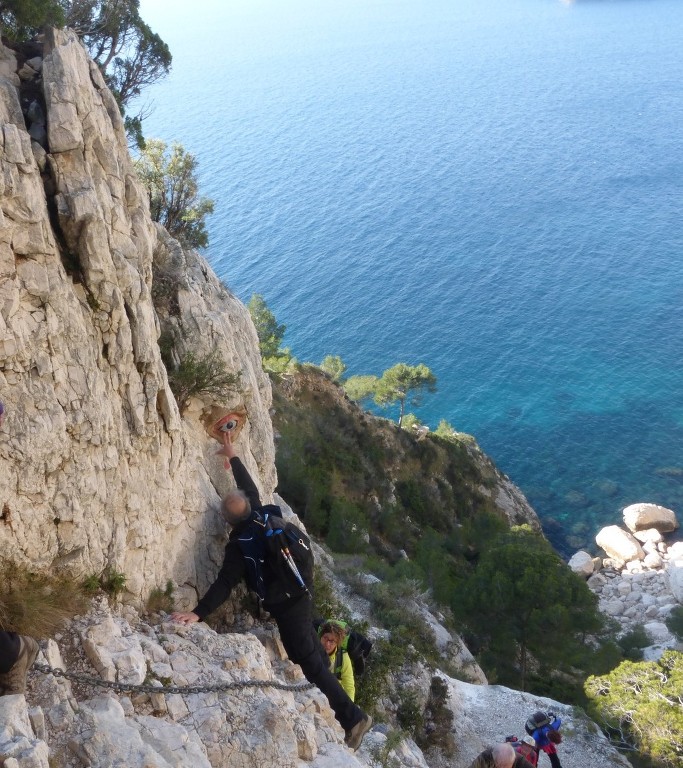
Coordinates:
332 636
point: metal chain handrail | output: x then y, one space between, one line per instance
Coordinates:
148 688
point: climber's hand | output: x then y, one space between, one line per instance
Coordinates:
228 450
184 618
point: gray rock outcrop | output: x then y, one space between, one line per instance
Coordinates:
249 726
485 715
97 468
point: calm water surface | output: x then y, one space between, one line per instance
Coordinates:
492 187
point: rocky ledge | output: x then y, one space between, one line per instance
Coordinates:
640 579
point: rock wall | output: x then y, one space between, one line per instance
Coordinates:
78 726
97 468
485 715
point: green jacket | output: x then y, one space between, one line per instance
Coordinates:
340 664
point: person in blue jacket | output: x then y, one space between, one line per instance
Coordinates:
547 735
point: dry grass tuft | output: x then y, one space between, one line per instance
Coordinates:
38 604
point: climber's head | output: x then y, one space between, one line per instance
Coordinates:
503 755
236 507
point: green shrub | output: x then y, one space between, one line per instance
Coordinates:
334 367
385 660
410 714
91 584
205 376
161 599
326 602
113 582
633 642
639 706
347 530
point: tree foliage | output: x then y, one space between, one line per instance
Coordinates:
360 388
641 706
403 384
171 181
22 18
269 331
130 55
333 366
522 596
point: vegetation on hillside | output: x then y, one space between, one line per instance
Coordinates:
420 511
640 705
38 604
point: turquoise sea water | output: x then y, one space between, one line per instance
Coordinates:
492 187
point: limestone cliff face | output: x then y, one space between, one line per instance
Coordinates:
97 468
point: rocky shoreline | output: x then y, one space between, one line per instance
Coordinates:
639 580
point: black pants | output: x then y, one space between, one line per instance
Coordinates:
303 647
554 759
9 651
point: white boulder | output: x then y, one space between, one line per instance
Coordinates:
648 534
653 560
619 544
114 656
582 563
658 632
639 517
675 573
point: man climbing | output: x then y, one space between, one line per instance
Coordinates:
17 652
291 608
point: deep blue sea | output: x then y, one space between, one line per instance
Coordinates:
491 187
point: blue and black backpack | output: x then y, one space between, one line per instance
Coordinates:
275 549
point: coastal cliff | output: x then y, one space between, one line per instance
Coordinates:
99 470
102 470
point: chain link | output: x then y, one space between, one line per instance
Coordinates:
148 688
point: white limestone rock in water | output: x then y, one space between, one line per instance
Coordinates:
658 632
619 544
653 560
582 563
648 535
639 517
